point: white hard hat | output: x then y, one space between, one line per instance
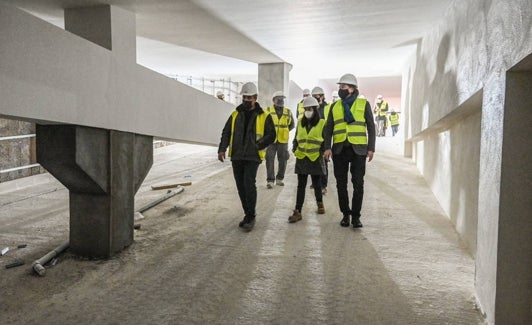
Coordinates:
348 79
310 101
361 96
219 93
317 91
248 89
379 96
306 91
278 93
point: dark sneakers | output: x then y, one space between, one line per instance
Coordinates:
345 221
248 223
356 223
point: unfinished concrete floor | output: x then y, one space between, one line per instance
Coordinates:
191 264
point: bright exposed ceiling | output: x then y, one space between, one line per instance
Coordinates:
322 39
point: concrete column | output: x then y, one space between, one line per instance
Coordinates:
107 26
273 77
103 170
514 245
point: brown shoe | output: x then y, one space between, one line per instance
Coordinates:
321 208
295 217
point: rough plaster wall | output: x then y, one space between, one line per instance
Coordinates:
450 162
472 49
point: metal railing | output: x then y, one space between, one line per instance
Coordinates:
211 86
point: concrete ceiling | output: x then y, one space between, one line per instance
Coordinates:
322 39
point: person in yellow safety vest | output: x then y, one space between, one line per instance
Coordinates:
300 109
323 109
284 123
351 128
394 121
380 110
247 133
308 149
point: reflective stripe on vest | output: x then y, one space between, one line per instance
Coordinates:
309 143
259 131
355 132
394 119
282 124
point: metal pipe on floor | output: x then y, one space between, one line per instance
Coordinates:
38 264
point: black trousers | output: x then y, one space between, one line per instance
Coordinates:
344 162
302 184
245 173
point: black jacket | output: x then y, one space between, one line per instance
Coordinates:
359 150
245 147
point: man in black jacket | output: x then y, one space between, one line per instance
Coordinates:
247 133
351 127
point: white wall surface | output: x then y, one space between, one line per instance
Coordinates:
470 51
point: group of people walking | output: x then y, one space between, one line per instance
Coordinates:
342 131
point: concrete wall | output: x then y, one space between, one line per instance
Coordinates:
470 51
49 75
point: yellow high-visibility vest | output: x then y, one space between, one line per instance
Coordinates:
300 110
309 143
281 124
394 119
355 132
259 131
383 109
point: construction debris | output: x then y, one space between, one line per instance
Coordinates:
4 251
38 264
22 246
162 187
15 264
136 226
168 195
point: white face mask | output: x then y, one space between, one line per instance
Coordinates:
379 101
309 114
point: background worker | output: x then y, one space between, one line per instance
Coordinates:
308 149
284 123
300 108
380 110
247 133
351 128
323 109
394 121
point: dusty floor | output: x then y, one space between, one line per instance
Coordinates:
191 264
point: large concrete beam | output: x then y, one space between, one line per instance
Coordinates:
49 75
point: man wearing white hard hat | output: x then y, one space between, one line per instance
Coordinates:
380 110
247 133
300 108
351 128
284 122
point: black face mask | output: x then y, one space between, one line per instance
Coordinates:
343 93
279 103
246 104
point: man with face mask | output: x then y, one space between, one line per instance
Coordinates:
300 108
380 110
247 133
351 128
284 123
